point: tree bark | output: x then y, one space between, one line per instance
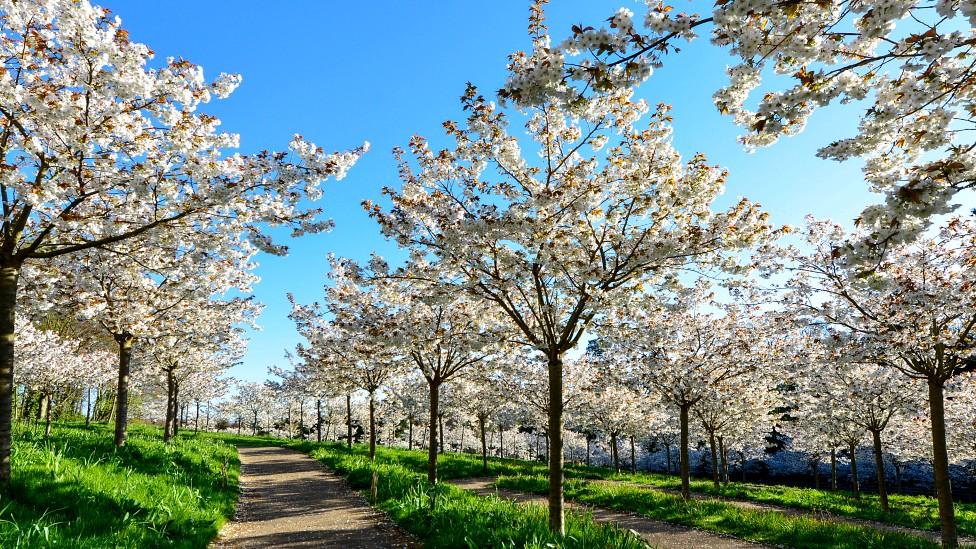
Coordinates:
833 468
724 455
613 452
410 434
556 516
196 421
170 412
685 465
714 450
501 442
482 419
855 486
8 306
435 387
372 426
88 408
318 420
940 464
124 340
47 417
349 421
633 456
880 469
587 451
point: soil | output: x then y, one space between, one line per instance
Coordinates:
290 500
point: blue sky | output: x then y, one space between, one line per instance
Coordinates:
341 73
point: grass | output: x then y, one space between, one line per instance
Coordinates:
919 512
75 489
444 516
760 526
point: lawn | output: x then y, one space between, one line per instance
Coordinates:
75 489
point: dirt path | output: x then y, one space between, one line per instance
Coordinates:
289 500
659 534
935 537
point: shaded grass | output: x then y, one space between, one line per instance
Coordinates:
75 489
760 526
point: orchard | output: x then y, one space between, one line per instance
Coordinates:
557 319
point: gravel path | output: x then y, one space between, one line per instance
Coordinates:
792 511
659 534
290 500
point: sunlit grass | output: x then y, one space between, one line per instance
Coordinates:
75 489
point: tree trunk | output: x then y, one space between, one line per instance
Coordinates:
613 453
8 305
410 434
254 426
880 469
683 451
556 517
482 419
196 422
349 421
633 456
587 451
833 468
714 450
724 455
372 426
88 408
47 417
940 464
206 422
667 454
170 412
318 420
435 387
122 395
855 485
501 442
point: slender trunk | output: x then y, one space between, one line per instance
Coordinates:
556 517
122 395
587 451
372 426
724 454
170 412
301 420
501 442
880 469
88 408
613 452
196 422
435 387
940 464
667 454
318 420
897 465
461 442
8 306
683 452
349 421
410 434
833 468
855 485
206 421
47 417
482 419
633 456
254 426
714 450
240 421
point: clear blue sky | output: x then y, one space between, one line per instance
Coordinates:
340 73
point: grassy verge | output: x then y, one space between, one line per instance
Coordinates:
75 489
919 512
448 517
760 526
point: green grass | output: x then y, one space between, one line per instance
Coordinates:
919 512
448 517
75 489
760 526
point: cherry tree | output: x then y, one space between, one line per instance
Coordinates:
913 313
910 64
101 145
